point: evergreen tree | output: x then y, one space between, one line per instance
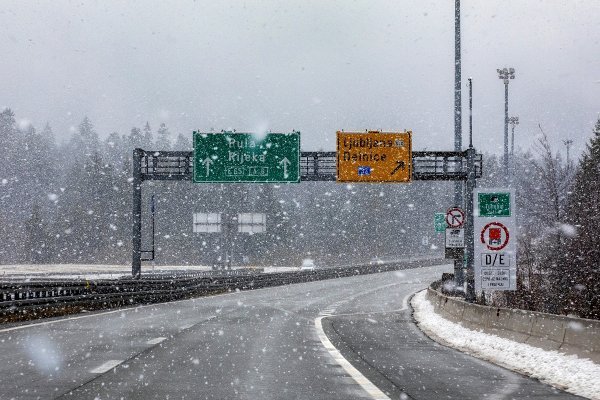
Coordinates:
183 143
148 141
581 266
11 167
87 140
114 150
39 247
163 139
136 139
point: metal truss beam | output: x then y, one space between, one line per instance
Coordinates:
314 166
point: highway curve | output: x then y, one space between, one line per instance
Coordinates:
262 344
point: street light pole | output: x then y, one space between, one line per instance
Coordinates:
568 143
506 74
513 121
458 187
470 187
457 94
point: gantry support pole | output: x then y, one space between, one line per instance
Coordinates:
458 185
136 263
469 232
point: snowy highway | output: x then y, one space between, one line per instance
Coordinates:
349 338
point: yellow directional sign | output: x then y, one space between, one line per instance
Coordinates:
374 156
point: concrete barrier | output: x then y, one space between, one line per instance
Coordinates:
568 335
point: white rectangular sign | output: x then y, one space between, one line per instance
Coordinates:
455 238
495 279
495 231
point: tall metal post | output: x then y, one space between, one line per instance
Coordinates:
470 186
506 74
568 143
506 129
457 95
470 250
136 262
153 215
470 112
458 194
513 121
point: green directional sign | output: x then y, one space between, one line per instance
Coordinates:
494 204
439 221
246 157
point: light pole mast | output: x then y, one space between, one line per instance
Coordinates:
506 74
513 121
458 197
568 143
457 94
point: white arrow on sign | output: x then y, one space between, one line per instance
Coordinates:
285 162
207 162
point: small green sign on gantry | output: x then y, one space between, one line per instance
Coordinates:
246 157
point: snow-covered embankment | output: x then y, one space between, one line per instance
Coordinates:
568 372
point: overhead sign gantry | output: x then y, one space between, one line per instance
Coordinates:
248 166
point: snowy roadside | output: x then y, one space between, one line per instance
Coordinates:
567 372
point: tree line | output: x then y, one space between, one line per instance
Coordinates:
558 217
69 201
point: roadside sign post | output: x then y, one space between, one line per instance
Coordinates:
245 157
471 182
374 156
495 238
455 234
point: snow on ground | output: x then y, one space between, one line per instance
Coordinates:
575 375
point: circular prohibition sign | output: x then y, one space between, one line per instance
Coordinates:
494 235
455 217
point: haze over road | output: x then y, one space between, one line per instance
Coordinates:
261 344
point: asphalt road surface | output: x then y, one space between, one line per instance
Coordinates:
262 344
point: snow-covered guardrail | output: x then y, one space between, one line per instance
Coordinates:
26 300
566 334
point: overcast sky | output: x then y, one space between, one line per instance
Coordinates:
314 66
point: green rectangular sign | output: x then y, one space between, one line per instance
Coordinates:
439 221
494 204
246 157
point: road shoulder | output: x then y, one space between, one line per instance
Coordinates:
391 351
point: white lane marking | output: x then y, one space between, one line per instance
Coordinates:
107 366
184 327
366 384
156 340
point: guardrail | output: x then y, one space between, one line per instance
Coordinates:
566 334
27 300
